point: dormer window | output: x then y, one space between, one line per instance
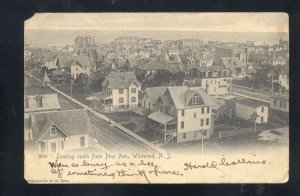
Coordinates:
53 131
195 100
215 74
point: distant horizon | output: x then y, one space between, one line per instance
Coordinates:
45 37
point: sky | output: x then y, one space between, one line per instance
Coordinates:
220 22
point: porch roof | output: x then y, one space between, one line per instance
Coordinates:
160 117
102 95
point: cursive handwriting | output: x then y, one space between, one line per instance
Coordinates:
222 163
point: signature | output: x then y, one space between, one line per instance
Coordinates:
222 163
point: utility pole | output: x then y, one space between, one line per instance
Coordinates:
71 88
202 142
254 117
272 85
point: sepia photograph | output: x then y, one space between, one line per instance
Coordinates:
156 98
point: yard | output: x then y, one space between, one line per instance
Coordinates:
78 92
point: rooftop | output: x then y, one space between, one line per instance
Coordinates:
160 117
71 122
250 102
119 80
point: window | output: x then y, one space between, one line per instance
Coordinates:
262 119
40 102
121 100
201 122
121 91
195 100
204 132
182 112
53 131
262 109
207 110
195 114
215 74
133 99
133 90
202 110
275 102
62 145
182 125
82 141
149 106
207 121
184 136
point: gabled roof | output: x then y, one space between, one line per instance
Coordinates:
65 61
68 61
82 61
179 95
153 93
46 126
189 94
119 80
279 70
70 122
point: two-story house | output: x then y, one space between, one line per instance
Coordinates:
215 80
74 65
180 114
56 131
80 65
119 91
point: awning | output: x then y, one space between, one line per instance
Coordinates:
160 117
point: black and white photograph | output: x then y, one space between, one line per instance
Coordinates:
156 98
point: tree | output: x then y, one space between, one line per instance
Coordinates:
96 81
82 80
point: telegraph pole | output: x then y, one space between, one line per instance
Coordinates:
71 88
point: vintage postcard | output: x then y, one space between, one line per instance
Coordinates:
156 98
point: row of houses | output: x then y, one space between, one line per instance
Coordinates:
174 113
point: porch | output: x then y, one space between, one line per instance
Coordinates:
164 127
